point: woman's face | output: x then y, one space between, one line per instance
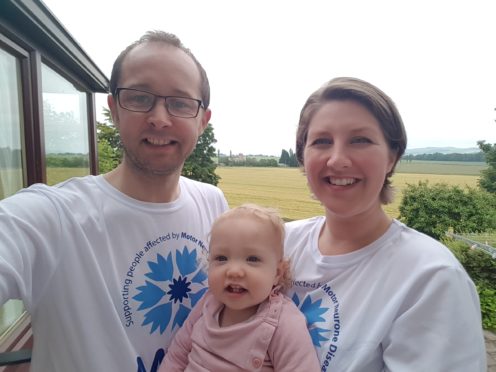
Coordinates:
346 159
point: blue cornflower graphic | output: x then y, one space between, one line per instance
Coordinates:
166 293
313 313
179 289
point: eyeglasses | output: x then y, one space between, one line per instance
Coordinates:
142 101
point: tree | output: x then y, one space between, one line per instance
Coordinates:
288 158
487 180
293 162
109 144
200 165
284 159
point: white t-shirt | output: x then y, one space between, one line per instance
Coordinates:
402 303
107 279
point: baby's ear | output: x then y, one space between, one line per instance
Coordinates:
283 275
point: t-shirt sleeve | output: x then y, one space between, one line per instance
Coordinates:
29 235
439 327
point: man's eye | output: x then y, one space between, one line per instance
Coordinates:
177 104
141 99
180 104
253 259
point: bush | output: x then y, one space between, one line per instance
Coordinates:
487 180
488 306
437 208
482 269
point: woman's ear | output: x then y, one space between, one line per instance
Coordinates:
393 155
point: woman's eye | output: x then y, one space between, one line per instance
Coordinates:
361 140
321 141
253 259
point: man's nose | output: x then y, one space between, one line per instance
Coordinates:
159 116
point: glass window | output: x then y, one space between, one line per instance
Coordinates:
11 122
11 153
66 128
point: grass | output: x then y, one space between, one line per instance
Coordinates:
56 174
286 189
439 167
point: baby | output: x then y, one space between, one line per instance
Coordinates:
244 322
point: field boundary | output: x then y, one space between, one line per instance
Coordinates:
474 244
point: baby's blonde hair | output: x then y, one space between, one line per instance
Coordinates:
272 217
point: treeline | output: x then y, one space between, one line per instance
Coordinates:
230 161
470 157
287 159
13 157
67 160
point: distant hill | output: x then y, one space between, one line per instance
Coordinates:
441 150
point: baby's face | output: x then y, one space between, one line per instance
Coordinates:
244 264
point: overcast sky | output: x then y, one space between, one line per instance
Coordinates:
436 59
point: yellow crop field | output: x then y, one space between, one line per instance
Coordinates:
282 188
286 188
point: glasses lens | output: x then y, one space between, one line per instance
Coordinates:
136 100
182 107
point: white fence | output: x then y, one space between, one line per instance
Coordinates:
476 245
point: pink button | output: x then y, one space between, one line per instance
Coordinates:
257 362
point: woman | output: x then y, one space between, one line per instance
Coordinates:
377 295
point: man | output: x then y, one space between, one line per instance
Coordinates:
108 266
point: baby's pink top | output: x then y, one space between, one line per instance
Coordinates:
276 338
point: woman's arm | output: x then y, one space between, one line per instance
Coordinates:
439 328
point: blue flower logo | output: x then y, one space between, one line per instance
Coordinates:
313 313
165 291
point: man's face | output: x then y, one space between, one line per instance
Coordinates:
155 142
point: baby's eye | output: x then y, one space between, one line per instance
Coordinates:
253 259
220 258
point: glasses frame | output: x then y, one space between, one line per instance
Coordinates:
155 98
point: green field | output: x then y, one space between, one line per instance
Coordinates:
438 167
286 189
56 174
